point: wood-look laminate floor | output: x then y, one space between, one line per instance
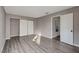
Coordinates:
26 45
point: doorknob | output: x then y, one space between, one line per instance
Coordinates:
71 30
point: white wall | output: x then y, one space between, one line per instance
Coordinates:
76 26
43 26
2 28
7 27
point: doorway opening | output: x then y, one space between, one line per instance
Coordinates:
14 27
56 27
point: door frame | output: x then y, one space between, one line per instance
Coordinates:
52 23
60 19
18 26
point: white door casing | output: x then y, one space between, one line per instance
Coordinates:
30 27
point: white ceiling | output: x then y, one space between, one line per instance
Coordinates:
34 11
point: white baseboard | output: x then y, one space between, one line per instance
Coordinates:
46 37
7 38
2 47
76 45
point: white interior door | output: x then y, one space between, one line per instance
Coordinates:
30 27
26 27
23 27
66 28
